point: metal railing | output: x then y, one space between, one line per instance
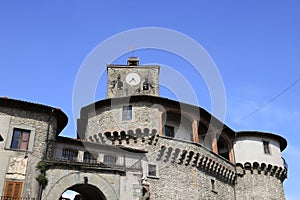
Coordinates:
16 198
120 162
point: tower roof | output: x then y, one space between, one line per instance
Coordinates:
62 118
282 141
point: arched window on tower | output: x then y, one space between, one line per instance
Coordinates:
176 125
223 148
202 132
204 137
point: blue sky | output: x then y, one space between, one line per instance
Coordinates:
254 44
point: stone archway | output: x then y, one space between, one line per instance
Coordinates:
88 192
76 181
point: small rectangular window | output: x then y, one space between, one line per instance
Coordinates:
213 185
152 170
20 139
127 113
169 131
13 190
145 86
110 160
266 147
69 155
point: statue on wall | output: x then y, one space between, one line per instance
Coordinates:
117 83
146 189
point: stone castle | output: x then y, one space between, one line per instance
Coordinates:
135 145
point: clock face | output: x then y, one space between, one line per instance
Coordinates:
133 79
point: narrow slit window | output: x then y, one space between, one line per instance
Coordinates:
213 184
266 147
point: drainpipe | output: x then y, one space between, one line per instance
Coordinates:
47 136
45 152
234 189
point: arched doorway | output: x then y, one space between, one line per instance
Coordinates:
85 192
61 183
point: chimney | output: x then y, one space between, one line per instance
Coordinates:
133 61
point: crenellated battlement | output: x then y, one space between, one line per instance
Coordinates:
197 158
137 136
172 151
262 169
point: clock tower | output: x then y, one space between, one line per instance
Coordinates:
132 79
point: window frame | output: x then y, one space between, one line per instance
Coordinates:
171 128
10 135
127 113
266 147
13 190
92 158
213 185
20 139
68 156
149 173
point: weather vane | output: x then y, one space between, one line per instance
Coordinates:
132 50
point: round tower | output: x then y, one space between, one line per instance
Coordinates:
260 167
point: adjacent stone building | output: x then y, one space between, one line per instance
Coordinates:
25 128
135 145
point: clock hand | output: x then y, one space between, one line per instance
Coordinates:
132 80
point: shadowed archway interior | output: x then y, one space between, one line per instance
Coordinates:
87 192
223 148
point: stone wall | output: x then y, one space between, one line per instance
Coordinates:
178 182
37 123
61 179
145 72
258 181
144 115
250 149
186 171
